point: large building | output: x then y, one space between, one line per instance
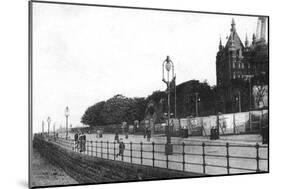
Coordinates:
240 66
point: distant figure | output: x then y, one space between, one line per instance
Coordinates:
116 138
145 132
76 141
82 141
148 135
121 148
126 135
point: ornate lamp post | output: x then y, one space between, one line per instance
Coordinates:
169 66
42 127
54 129
66 113
49 121
197 101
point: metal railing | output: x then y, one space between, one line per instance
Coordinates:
206 158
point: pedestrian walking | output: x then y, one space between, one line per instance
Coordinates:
116 138
121 148
148 135
83 142
126 135
145 132
76 141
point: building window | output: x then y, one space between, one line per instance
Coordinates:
242 65
233 65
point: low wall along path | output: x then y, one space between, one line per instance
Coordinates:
87 169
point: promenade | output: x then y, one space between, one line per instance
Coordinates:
228 155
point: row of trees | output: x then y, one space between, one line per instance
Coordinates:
115 110
120 108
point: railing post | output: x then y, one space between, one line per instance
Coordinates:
91 148
258 157
153 158
261 118
107 146
250 121
96 148
167 161
204 160
114 150
183 156
227 158
87 147
141 151
101 148
131 152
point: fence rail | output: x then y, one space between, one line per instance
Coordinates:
201 158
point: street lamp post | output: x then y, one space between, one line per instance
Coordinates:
42 127
197 99
66 113
54 129
49 121
169 66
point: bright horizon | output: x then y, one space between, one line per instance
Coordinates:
83 55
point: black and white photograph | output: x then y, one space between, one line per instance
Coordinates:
130 94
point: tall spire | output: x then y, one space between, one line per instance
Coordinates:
254 39
246 41
220 45
261 29
233 29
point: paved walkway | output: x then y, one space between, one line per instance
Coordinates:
46 174
240 146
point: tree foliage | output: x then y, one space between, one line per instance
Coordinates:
114 111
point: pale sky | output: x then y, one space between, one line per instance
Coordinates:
83 55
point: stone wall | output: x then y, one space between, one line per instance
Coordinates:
86 169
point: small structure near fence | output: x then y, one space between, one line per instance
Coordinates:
227 124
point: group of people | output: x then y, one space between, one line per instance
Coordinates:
80 142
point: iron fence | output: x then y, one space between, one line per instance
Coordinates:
206 158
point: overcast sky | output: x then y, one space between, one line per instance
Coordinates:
83 55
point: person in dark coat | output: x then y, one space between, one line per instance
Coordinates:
148 135
83 142
121 148
145 132
116 138
76 141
